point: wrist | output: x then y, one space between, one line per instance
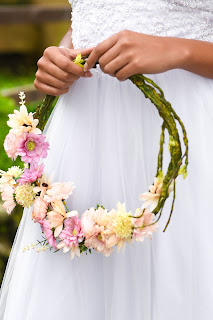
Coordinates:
184 53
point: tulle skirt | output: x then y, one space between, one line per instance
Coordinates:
104 136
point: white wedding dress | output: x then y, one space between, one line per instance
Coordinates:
104 136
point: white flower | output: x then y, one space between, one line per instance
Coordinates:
20 121
151 198
10 176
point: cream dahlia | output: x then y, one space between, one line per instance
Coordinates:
22 121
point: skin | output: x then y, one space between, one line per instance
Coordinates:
56 71
122 55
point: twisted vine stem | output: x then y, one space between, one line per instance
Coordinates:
155 94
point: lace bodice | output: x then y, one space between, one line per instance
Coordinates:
96 20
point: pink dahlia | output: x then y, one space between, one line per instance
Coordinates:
32 147
32 174
45 226
10 145
39 209
94 223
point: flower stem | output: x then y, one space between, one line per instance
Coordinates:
65 205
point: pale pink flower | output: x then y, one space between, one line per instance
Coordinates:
32 174
57 215
58 191
8 198
32 147
10 145
98 243
20 121
94 223
39 209
71 236
144 226
45 226
151 198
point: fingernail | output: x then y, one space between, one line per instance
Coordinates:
88 74
86 68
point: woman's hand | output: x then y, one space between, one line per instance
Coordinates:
56 71
127 53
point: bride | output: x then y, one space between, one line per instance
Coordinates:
104 136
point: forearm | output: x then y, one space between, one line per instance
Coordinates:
67 40
197 57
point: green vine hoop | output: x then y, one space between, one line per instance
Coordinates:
155 94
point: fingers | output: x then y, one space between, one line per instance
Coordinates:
64 63
115 65
56 70
46 66
46 78
99 50
108 57
125 72
45 88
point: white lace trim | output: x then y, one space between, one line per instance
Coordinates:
96 20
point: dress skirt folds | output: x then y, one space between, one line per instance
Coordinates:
104 137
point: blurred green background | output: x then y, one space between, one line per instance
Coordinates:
21 45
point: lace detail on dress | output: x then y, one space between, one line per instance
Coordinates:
96 20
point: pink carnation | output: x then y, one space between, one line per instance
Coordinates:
45 226
39 209
71 236
32 147
72 233
10 145
32 174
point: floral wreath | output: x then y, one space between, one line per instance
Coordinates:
98 228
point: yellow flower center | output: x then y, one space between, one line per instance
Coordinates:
30 145
74 232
